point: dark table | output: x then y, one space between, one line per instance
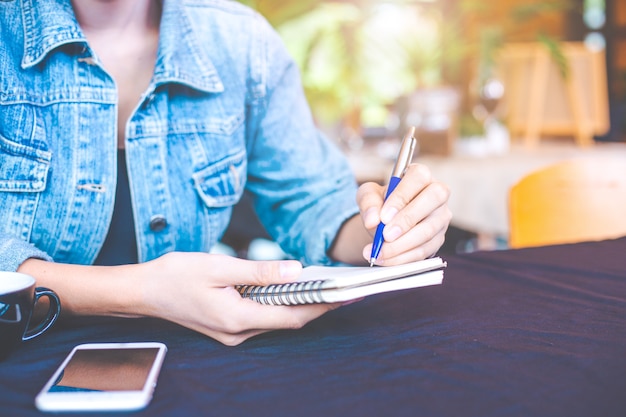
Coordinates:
531 332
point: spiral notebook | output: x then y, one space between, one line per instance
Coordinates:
327 284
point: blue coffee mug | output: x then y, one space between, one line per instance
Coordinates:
18 297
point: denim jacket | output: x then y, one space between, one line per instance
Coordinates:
224 111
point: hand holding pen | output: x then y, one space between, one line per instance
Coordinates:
413 210
405 156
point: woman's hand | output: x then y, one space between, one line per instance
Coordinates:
197 291
416 216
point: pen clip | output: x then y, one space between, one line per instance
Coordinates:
405 156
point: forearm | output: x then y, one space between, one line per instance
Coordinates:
92 290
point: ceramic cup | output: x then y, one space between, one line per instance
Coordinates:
18 297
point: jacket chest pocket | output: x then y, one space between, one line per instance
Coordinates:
22 168
23 178
221 183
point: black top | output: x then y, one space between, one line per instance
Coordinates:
120 246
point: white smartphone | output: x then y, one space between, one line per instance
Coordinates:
104 376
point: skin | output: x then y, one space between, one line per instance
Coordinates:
196 290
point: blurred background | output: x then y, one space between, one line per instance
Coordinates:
361 59
495 90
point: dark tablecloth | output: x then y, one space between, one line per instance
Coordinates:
531 332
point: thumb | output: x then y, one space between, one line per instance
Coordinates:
235 271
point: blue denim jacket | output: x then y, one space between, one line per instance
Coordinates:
224 111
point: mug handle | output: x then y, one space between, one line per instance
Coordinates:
53 313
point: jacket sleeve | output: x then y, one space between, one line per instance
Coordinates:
13 252
303 186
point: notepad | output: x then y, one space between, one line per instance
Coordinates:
327 284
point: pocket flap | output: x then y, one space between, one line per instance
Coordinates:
22 168
221 184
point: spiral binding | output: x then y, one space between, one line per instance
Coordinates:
293 293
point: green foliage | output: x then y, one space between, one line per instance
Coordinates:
556 53
351 57
528 11
278 12
361 55
494 33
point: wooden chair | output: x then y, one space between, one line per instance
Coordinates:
572 201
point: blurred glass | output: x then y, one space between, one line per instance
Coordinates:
434 112
490 93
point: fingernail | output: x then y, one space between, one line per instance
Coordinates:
290 269
392 233
387 214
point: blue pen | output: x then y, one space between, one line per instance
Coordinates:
404 159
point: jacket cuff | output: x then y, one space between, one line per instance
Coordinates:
13 252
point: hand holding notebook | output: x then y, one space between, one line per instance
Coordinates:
326 284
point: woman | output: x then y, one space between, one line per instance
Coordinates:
200 101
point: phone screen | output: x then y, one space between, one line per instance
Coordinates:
106 370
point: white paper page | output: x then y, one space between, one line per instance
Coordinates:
414 281
350 276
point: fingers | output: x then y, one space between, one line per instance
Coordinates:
415 215
206 300
248 318
420 242
416 181
407 215
282 317
403 200
222 270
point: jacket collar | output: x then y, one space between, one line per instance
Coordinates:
47 25
180 58
50 24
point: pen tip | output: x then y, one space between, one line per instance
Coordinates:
372 261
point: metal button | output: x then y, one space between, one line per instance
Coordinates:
158 223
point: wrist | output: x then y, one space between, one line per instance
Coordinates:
350 241
91 290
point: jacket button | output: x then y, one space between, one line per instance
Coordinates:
157 223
